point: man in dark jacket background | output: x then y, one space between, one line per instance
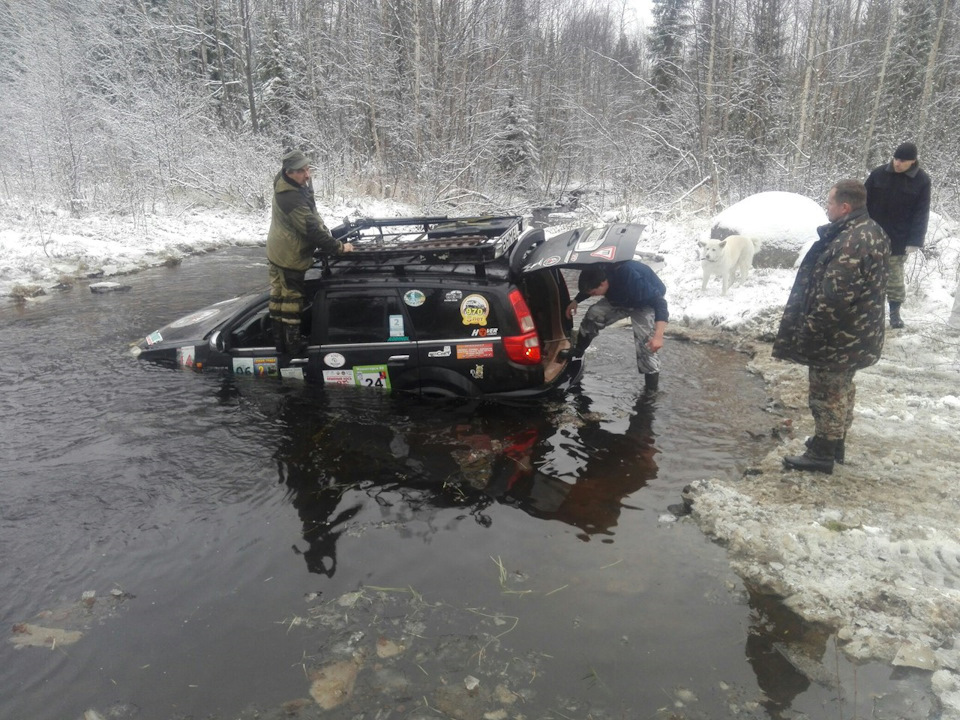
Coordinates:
628 289
833 320
296 232
898 199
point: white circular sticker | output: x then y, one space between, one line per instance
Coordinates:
194 318
414 298
334 360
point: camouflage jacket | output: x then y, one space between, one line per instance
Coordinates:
835 314
296 229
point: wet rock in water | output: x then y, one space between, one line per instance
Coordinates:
333 684
26 292
388 648
471 683
105 287
915 656
28 635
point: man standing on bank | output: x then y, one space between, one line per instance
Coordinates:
833 320
628 289
898 199
296 232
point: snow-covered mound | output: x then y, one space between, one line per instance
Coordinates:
783 221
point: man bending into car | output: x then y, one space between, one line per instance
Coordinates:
628 289
296 231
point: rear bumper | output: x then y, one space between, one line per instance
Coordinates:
568 378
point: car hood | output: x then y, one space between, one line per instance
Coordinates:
586 246
200 323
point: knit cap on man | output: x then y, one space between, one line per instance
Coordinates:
294 160
905 151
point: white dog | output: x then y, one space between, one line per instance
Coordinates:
726 257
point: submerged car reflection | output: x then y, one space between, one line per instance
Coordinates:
337 455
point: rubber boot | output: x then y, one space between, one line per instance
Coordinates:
838 454
651 382
277 328
295 344
819 457
895 320
577 350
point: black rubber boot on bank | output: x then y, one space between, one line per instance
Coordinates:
838 453
651 382
819 457
895 320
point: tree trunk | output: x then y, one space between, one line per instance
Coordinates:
812 32
248 56
885 61
930 72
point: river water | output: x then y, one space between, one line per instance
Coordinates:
182 545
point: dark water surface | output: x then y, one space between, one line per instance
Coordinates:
247 540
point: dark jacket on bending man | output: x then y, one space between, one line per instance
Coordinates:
634 285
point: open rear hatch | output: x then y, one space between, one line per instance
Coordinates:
572 249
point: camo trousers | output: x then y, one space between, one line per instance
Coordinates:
832 394
602 313
286 294
896 288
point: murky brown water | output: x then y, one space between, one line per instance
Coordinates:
249 541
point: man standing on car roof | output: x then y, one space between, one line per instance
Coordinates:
628 289
296 232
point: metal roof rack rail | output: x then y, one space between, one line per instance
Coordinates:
425 240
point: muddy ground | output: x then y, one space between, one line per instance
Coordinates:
873 550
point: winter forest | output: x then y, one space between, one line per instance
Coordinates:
127 105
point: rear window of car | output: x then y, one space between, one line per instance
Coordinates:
442 313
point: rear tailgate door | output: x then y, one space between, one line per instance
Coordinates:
585 246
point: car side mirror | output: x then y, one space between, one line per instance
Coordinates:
216 342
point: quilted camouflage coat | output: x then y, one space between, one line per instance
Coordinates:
835 314
296 228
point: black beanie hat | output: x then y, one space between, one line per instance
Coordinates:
905 151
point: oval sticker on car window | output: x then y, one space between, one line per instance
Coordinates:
414 298
334 360
474 310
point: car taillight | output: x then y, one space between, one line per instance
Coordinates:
525 348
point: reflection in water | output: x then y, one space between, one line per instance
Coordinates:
609 466
779 641
460 454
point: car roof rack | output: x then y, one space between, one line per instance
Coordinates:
425 241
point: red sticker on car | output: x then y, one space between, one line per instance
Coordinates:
606 253
473 352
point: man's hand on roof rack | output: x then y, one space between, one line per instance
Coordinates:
347 247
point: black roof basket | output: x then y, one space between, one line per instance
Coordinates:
425 241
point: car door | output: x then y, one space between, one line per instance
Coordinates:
366 340
248 340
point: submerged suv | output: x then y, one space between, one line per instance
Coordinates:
464 306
